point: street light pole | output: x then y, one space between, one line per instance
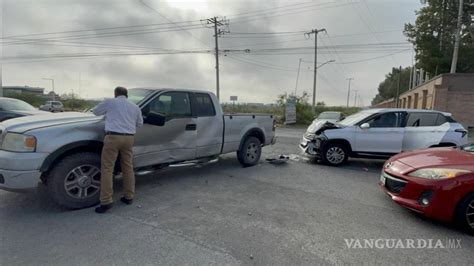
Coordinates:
54 93
355 98
349 91
297 76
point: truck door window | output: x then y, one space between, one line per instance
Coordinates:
205 106
422 120
172 105
386 120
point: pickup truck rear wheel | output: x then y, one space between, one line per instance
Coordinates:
250 152
75 181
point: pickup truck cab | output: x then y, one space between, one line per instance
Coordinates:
381 133
181 127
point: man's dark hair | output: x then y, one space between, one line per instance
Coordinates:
121 91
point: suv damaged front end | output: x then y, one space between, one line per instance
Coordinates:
314 138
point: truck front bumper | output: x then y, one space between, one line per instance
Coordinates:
19 181
20 171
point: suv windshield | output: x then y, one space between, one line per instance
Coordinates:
355 118
15 105
137 95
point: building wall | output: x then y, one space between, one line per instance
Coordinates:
453 93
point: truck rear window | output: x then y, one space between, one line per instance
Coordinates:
204 104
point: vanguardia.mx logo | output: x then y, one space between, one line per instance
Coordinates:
391 243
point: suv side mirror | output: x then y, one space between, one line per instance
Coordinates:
365 126
155 119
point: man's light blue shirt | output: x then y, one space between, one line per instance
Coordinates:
121 115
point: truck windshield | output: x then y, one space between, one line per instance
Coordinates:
137 95
355 118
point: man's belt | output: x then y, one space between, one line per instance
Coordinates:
118 134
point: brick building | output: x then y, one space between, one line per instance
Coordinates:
453 93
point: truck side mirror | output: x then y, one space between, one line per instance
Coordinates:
155 119
365 126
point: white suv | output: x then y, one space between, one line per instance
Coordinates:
381 133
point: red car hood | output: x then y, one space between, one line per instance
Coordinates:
437 157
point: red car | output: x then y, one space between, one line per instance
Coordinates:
436 182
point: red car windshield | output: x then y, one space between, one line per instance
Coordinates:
468 148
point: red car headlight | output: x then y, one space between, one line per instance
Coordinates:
438 173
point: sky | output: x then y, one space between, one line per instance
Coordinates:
91 46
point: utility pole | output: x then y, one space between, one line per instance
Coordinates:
297 76
218 22
458 38
398 87
1 52
349 90
355 98
315 32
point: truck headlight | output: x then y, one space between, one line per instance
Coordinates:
19 143
438 173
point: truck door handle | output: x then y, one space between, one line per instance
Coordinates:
191 127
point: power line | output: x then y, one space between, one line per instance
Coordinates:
96 29
266 15
103 35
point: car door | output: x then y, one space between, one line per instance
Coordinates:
209 127
174 141
384 134
424 129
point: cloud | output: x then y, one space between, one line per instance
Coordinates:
254 78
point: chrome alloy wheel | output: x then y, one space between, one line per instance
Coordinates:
335 155
470 214
82 182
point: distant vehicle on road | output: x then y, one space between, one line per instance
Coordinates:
52 106
332 117
13 108
182 127
438 183
381 133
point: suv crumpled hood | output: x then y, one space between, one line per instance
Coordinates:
319 126
27 123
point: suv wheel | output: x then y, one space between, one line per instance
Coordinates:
465 214
335 154
75 181
250 153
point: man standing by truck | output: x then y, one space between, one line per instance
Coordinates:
122 117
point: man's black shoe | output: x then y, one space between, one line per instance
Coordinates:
103 208
126 201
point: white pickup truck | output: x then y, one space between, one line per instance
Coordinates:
181 127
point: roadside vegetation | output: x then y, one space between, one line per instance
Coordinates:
70 102
304 114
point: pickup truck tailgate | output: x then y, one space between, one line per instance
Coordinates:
236 126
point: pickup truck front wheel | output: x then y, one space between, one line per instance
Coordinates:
75 181
250 152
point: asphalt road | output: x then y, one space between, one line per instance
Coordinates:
293 214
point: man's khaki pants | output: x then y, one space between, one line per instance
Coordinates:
113 146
